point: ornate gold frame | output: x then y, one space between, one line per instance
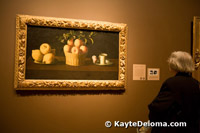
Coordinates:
196 46
20 83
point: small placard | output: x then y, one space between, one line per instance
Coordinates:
139 72
153 74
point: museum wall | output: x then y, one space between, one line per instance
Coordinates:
155 29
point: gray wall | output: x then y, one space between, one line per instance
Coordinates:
156 28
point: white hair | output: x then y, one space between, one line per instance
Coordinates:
180 61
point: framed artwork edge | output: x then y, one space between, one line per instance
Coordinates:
196 46
20 83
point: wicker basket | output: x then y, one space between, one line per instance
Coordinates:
75 59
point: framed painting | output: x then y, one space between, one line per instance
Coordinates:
196 46
69 54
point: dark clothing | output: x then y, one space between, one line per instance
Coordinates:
177 101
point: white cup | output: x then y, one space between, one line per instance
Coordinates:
102 58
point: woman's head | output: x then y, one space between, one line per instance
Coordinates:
180 61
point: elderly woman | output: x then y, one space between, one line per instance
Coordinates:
178 99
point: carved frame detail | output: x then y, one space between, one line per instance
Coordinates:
196 46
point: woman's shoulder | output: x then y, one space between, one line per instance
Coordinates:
181 78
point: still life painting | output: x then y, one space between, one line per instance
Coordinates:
59 53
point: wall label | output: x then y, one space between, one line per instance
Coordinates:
153 74
139 72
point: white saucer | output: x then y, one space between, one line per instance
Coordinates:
106 64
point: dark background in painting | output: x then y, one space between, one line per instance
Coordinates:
104 42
